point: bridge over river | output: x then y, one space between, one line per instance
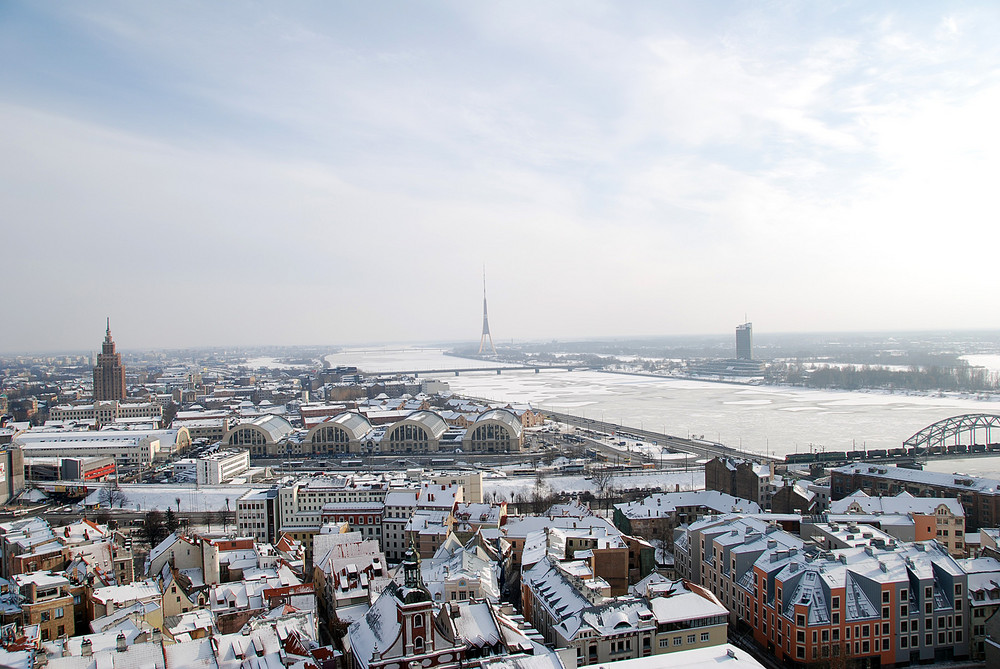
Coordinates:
497 368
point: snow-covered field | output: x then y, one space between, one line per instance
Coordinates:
143 497
656 481
274 363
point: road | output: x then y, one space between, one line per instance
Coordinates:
704 449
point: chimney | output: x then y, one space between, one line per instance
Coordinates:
122 643
157 635
87 648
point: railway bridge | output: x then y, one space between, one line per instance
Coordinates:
977 426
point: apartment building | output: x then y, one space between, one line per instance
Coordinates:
214 468
107 412
745 479
363 517
887 602
399 508
572 608
983 600
938 518
657 516
980 497
47 603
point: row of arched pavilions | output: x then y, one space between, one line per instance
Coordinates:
495 431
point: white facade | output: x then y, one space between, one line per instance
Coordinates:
131 450
222 467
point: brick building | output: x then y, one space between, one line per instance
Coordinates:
979 497
886 603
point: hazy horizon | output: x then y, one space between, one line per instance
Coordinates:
240 173
761 339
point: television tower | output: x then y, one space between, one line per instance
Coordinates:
486 322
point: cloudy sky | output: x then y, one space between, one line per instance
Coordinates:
310 172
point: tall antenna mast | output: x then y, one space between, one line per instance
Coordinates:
486 321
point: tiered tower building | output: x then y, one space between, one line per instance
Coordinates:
109 374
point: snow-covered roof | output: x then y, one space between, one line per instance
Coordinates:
662 504
356 425
956 481
904 502
505 417
474 624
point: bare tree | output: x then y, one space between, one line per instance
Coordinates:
540 493
221 517
112 495
603 479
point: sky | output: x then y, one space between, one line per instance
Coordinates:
248 173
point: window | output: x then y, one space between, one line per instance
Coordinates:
418 644
664 643
690 638
677 641
704 636
59 612
836 603
45 616
418 620
885 596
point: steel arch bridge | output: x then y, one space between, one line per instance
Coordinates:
936 433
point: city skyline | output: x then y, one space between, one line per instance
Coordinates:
229 175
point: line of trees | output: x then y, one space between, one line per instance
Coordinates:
961 377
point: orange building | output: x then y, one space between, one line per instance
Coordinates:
881 604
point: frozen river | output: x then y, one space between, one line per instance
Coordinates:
780 420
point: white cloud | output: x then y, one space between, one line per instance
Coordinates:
332 175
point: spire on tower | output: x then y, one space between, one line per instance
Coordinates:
486 321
